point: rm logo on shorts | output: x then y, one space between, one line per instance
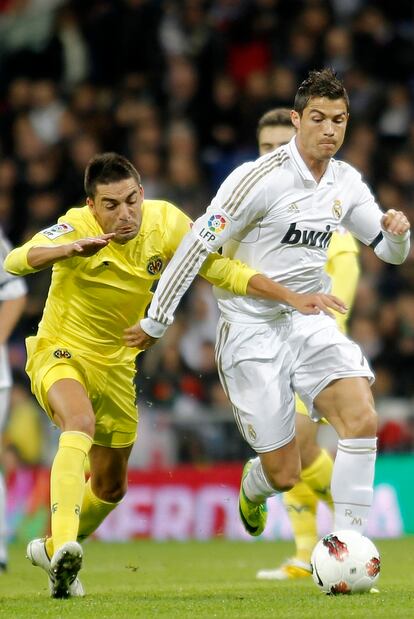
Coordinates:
61 353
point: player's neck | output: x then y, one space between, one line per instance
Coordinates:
317 167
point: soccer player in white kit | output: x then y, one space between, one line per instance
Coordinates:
278 214
275 129
12 302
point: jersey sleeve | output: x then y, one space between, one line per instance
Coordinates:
363 220
231 275
64 231
240 200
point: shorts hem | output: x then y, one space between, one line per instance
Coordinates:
346 374
275 446
102 443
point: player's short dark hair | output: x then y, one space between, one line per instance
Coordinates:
278 117
108 168
320 84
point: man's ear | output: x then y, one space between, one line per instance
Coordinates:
295 118
90 203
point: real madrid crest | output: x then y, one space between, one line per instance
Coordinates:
252 432
154 265
337 209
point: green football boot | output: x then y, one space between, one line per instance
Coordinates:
253 515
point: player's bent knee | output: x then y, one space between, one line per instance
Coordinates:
112 495
109 489
81 423
362 425
283 481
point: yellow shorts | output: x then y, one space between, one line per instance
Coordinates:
302 410
110 387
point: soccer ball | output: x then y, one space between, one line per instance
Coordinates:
345 562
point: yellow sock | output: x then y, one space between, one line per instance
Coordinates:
301 504
318 477
67 483
94 511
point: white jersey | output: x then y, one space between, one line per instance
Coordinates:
11 287
273 215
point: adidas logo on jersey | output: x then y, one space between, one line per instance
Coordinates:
314 238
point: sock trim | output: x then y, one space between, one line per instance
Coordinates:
95 496
76 440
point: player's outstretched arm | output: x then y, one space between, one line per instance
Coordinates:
42 257
318 302
21 260
265 288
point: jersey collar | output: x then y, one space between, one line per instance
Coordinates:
327 179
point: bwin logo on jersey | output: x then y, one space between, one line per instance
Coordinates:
313 238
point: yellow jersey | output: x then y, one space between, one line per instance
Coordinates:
343 268
93 299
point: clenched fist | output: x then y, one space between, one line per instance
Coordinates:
395 222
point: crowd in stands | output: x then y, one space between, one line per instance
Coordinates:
178 87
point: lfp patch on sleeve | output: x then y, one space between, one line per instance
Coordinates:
216 223
57 230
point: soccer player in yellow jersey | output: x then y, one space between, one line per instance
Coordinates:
274 129
105 257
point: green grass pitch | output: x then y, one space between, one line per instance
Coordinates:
201 579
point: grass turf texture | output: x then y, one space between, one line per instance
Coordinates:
201 579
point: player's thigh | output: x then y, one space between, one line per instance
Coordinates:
116 408
348 405
58 381
323 355
109 467
254 367
70 406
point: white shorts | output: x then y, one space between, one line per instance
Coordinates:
261 366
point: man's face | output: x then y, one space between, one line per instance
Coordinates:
117 208
271 138
321 128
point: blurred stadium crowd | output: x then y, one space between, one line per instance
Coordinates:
178 87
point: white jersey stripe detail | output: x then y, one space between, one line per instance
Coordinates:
264 170
235 200
165 300
245 180
197 244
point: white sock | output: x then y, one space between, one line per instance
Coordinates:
255 484
3 529
352 482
